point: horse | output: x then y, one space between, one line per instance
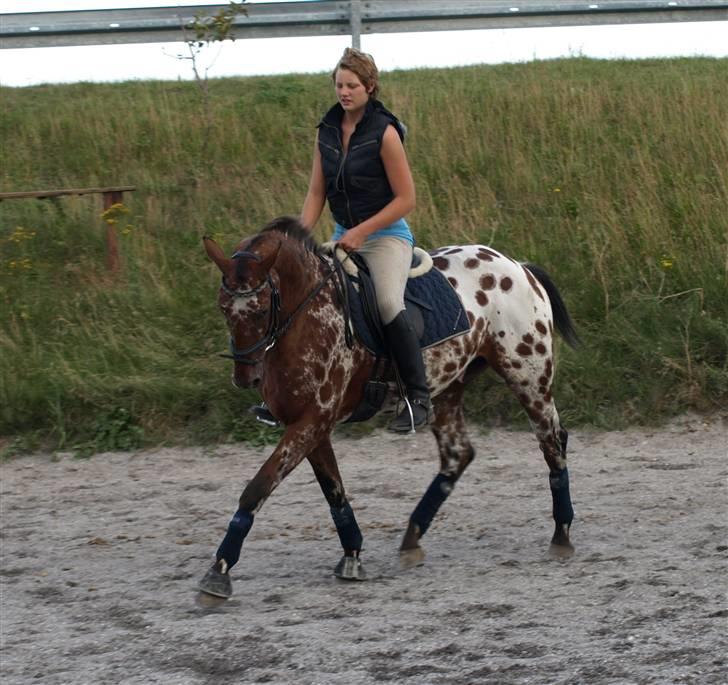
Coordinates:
281 297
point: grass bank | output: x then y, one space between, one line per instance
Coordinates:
611 175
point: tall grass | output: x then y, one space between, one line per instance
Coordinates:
611 175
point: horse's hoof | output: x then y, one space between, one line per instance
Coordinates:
216 583
409 558
207 601
561 550
350 568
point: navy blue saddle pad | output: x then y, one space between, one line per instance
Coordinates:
431 296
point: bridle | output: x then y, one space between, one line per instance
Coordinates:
276 328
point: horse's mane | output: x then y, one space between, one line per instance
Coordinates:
293 228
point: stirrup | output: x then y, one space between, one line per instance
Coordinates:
263 415
415 414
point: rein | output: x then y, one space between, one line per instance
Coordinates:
276 329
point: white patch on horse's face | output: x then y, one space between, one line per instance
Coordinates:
241 307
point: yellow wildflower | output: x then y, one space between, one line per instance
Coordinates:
667 262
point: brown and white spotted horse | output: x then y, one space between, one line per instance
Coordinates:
279 295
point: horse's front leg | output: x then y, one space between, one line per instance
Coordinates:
297 442
326 469
456 453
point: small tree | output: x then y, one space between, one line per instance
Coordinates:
200 33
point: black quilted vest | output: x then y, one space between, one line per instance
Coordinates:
356 182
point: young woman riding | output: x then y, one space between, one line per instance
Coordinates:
361 168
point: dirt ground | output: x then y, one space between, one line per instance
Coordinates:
100 559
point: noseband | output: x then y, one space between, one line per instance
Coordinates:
275 329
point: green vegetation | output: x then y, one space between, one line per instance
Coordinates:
611 175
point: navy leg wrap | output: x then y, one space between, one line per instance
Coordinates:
432 500
563 511
238 528
347 527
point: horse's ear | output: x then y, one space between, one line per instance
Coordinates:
215 253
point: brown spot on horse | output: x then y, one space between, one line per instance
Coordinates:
441 263
487 281
524 350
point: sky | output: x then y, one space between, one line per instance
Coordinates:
22 67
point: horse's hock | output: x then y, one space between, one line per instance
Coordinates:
110 196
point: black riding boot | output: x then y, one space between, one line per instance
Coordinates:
405 349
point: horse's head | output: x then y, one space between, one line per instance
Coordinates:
249 300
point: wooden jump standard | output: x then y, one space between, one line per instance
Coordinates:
111 196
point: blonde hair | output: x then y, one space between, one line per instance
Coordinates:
362 64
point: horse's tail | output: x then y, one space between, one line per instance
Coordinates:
562 320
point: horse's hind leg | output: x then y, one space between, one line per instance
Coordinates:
326 469
456 452
538 403
552 439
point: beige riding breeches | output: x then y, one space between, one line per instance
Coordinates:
389 260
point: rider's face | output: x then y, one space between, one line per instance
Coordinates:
350 91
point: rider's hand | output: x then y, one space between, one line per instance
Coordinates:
352 239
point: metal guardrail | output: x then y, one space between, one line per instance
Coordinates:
340 17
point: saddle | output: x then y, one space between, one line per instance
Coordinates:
433 306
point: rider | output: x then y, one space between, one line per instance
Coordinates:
361 168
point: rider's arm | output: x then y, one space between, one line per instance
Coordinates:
315 199
400 179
